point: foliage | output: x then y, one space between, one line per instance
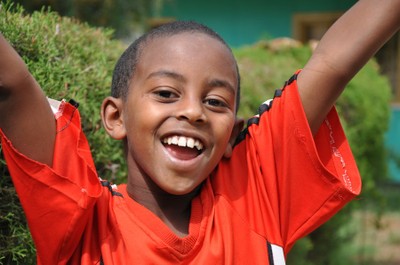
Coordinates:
72 60
16 246
263 71
364 111
69 60
125 16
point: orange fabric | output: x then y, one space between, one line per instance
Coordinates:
279 185
282 180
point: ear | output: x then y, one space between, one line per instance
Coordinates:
237 128
112 117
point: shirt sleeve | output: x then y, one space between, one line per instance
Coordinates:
60 199
284 181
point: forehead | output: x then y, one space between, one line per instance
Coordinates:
190 53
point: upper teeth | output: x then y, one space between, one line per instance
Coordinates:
183 141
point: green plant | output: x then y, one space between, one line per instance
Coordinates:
16 246
69 60
132 15
364 111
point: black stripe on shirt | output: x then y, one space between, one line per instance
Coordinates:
270 254
266 106
107 184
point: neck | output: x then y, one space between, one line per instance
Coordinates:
173 210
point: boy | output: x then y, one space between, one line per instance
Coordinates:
198 191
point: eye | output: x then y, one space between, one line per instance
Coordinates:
165 95
217 103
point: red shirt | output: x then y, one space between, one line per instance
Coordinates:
279 185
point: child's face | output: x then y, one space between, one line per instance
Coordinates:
183 90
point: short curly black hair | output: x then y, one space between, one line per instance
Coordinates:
126 65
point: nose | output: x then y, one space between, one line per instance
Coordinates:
192 110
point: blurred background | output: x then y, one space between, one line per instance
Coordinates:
270 39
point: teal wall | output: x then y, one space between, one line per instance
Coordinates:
393 144
242 22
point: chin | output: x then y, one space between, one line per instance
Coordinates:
182 190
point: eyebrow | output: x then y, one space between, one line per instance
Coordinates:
166 73
174 75
222 83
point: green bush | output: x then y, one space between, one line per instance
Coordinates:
72 60
364 110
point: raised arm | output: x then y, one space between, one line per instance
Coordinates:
342 52
25 115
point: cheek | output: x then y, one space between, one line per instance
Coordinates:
138 116
223 130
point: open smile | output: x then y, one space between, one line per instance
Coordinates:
183 141
182 147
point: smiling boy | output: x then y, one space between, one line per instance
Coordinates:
199 190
